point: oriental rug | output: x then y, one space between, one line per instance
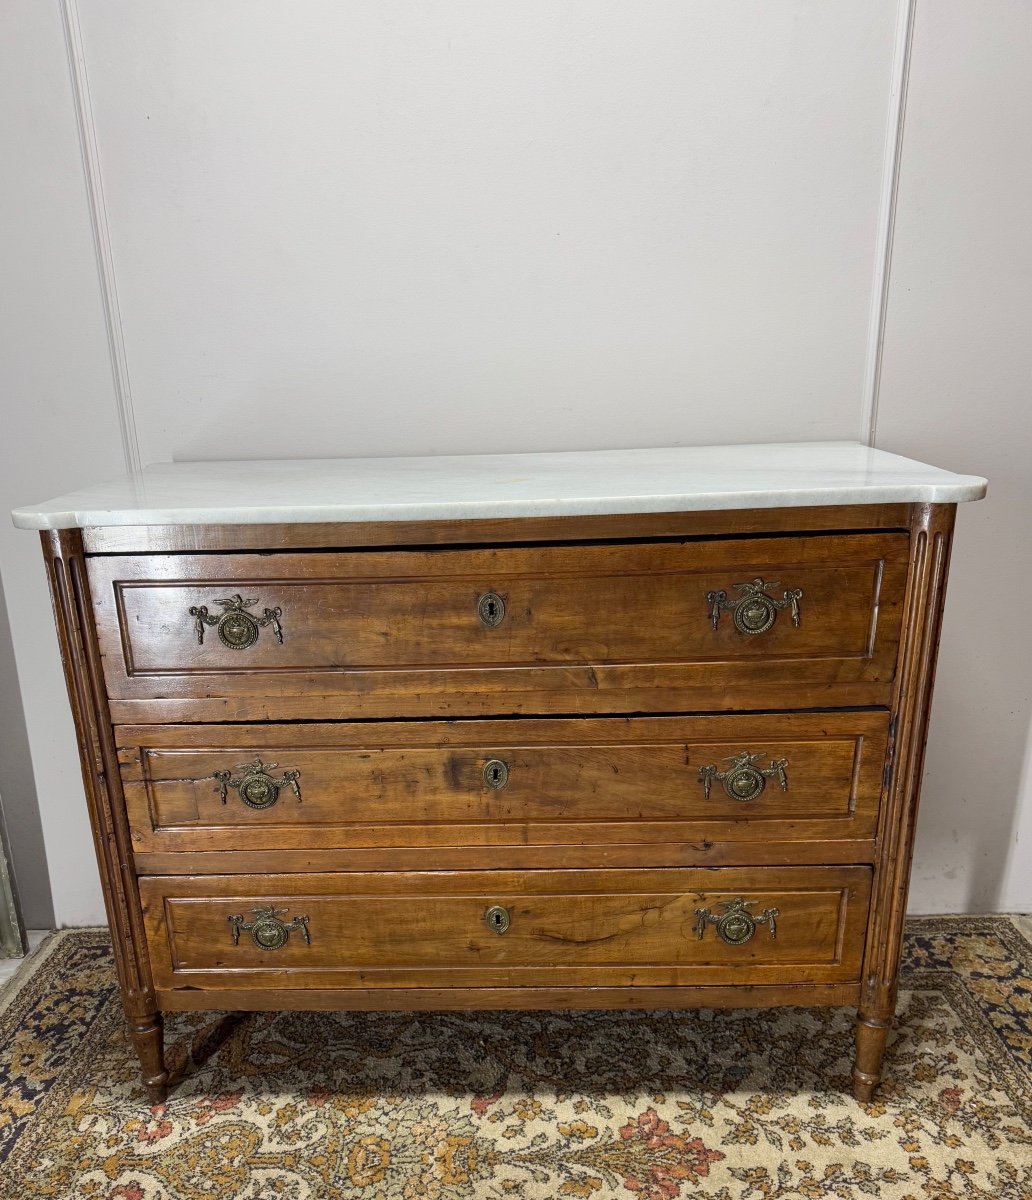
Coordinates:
743 1105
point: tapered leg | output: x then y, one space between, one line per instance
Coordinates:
84 676
871 1036
148 1038
931 531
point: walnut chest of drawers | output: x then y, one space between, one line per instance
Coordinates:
463 734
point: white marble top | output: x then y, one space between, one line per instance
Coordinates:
675 479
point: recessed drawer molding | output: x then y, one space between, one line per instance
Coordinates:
504 928
562 629
552 782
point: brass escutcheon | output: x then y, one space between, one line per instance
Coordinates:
743 780
267 931
497 918
735 925
237 628
496 774
491 609
754 612
255 786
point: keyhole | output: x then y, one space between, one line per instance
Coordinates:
497 918
496 774
491 609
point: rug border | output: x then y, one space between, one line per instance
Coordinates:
30 964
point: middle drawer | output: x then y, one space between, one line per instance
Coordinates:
759 777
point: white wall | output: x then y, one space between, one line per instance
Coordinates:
401 227
58 426
356 228
957 387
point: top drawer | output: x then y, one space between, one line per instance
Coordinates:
750 623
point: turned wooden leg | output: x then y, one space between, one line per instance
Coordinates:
112 838
931 532
148 1038
871 1036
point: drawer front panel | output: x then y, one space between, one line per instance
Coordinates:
260 787
496 929
456 630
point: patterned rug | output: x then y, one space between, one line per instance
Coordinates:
651 1106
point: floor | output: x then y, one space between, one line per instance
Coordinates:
471 1105
8 966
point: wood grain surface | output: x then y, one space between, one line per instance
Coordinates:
185 539
931 543
80 657
567 781
575 928
421 999
402 627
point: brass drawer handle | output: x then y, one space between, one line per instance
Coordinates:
496 774
735 926
754 611
267 931
237 628
743 780
497 919
256 786
491 609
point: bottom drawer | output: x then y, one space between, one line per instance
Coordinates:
586 928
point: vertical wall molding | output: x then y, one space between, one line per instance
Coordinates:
12 935
904 41
101 234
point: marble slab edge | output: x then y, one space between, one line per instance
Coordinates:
954 493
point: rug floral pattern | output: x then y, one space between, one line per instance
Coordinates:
745 1105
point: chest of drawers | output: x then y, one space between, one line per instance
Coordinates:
661 755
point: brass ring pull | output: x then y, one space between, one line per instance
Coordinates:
496 774
497 919
237 628
256 786
754 612
267 931
735 926
491 609
743 780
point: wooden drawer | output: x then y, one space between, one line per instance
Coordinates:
613 627
755 778
578 928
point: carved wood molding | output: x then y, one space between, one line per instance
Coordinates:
931 540
69 589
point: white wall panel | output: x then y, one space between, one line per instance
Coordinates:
957 389
59 428
345 227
